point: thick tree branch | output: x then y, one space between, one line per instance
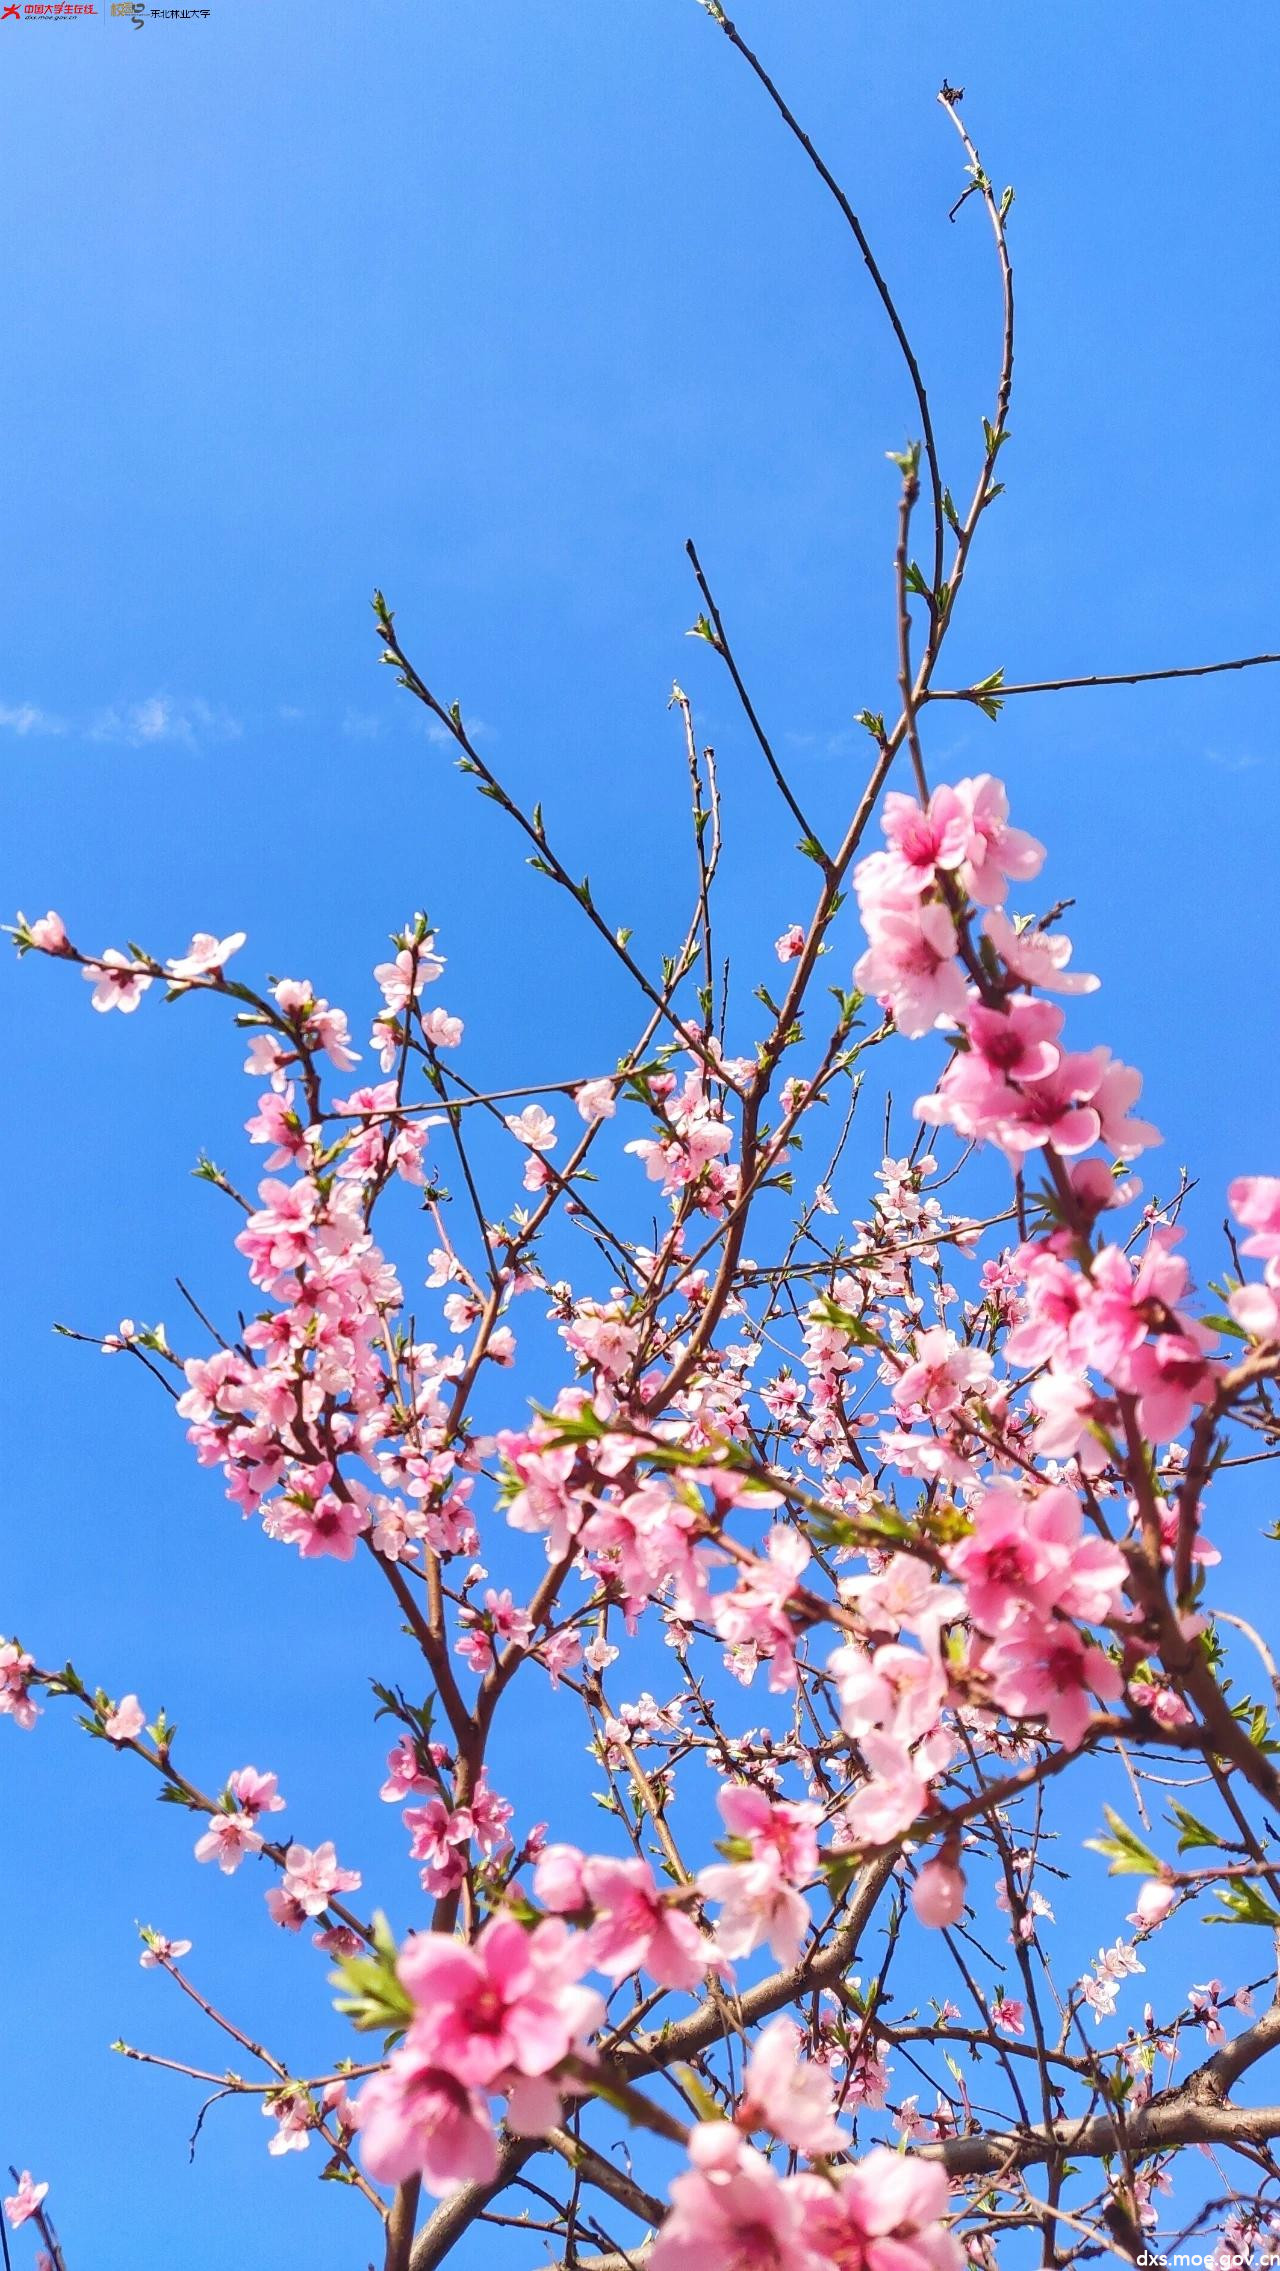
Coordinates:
776 1993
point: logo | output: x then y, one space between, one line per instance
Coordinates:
137 13
49 11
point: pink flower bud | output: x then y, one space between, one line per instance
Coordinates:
937 1895
557 1880
1153 1904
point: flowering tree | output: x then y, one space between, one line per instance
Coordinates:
915 1497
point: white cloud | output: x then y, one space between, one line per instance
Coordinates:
23 718
1233 760
361 725
160 718
476 731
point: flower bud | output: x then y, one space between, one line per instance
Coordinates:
937 1895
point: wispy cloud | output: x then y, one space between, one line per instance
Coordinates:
361 725
476 729
1233 760
24 717
162 718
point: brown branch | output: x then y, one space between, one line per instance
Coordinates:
1153 2129
1116 678
594 2169
722 647
733 35
706 2026
455 2214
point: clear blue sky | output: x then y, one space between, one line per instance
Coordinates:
494 306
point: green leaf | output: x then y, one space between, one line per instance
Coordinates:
372 1996
1128 1856
1245 1905
825 1311
1192 1833
699 2095
1226 1325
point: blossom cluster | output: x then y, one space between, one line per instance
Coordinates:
938 1527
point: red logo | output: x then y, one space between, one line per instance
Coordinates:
15 12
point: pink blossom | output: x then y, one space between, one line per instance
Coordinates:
533 1127
731 2209
995 854
417 2120
405 1777
1034 1556
756 1613
323 1027
126 1721
266 1059
910 966
509 2004
884 2214
277 1123
557 1879
1067 1408
1045 1670
786 2093
758 1906
637 1928
778 1826
1017 1040
903 1597
1171 1378
227 1840
414 967
560 1652
291 2111
204 955
25 2202
596 1100
895 1691
895 1794
255 1793
118 981
1204 2002
439 1837
790 946
1255 1201
326 1526
279 1234
1115 1092
442 1030
312 1878
1036 957
1009 2015
161 1951
490 1815
1256 1309
921 841
942 1370
48 933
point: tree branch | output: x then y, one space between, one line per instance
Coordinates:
998 693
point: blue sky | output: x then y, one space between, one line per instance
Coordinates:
495 307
